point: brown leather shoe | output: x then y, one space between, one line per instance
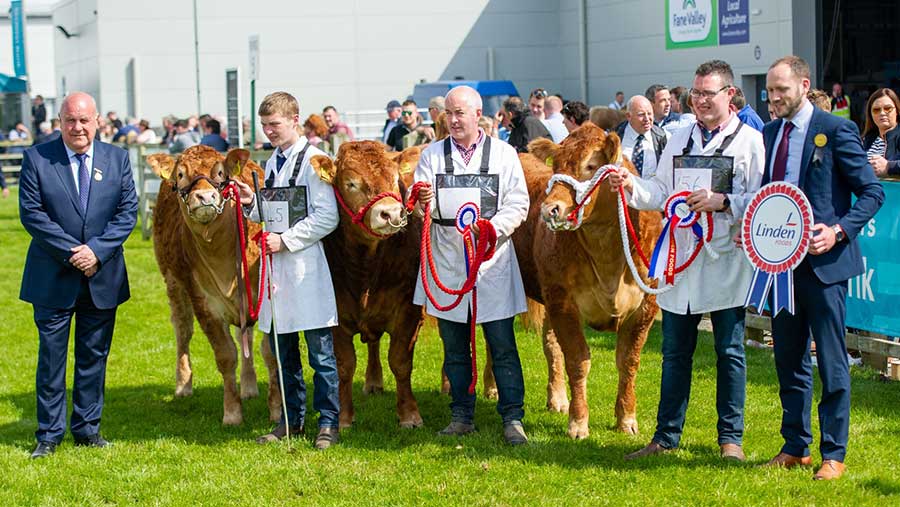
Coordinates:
732 452
651 449
785 460
831 469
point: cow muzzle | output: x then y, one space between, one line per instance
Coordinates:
555 214
387 217
205 205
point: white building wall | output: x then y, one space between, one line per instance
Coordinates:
77 58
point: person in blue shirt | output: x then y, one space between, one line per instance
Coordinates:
744 112
213 136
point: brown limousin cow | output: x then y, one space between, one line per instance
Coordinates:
374 278
580 276
194 239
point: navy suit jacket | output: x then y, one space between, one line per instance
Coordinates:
828 179
51 212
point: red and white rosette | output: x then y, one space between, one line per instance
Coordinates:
776 232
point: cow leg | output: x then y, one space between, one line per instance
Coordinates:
631 338
345 355
374 374
445 382
183 322
557 398
273 400
490 383
566 321
249 389
226 360
400 360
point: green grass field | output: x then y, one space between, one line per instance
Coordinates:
171 451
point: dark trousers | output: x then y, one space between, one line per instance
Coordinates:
820 308
93 335
507 368
679 343
320 348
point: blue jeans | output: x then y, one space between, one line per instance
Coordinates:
507 369
320 346
679 343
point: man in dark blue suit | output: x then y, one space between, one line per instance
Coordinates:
77 200
823 155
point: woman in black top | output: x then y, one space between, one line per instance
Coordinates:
881 137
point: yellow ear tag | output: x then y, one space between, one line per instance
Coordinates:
237 169
323 174
821 140
549 161
405 168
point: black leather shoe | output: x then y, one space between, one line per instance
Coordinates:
326 438
43 449
94 440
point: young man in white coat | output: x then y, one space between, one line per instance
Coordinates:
717 286
304 296
503 199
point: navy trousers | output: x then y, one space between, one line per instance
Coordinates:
819 308
93 335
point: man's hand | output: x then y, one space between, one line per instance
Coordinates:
880 164
738 241
427 130
5 193
83 258
474 228
822 241
274 243
426 194
89 272
620 178
703 200
245 192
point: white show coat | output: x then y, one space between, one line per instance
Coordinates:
500 291
709 285
304 294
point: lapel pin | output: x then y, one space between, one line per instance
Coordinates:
98 174
820 140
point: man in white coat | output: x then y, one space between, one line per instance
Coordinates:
717 286
495 181
304 295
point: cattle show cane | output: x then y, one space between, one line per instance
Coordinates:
262 220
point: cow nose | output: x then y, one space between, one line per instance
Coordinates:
206 198
554 210
385 216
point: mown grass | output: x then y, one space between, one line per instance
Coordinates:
172 451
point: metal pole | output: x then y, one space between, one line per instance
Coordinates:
197 58
583 53
252 114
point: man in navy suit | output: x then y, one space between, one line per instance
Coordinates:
77 200
823 155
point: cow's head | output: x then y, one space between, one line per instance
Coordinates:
199 175
580 155
362 171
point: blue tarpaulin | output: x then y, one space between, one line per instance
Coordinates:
9 84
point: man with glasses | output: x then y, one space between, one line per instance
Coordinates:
574 114
409 120
717 149
642 141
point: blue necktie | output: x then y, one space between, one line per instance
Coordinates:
279 162
637 156
84 180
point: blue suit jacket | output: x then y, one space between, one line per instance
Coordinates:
51 212
828 179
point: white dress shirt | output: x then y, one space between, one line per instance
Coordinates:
73 164
557 128
795 144
628 142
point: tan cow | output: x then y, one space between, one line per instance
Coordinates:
581 276
374 278
194 238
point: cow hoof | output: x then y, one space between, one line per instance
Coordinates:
373 389
235 419
345 423
274 415
445 388
578 430
629 426
250 391
558 404
491 393
412 422
184 391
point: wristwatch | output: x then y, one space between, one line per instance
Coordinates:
726 202
838 233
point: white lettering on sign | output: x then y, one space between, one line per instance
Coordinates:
860 286
690 20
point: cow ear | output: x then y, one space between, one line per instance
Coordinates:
325 167
544 149
612 149
162 165
409 159
235 161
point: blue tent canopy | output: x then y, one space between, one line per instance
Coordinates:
10 84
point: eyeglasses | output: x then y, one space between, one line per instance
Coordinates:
407 113
707 94
539 93
885 110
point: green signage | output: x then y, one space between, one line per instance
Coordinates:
691 23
